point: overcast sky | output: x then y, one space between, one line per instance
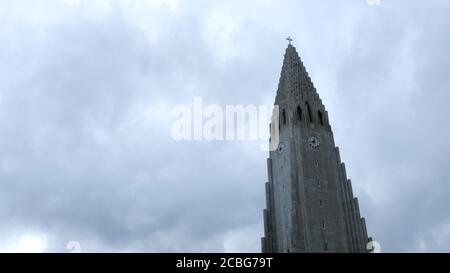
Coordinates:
87 87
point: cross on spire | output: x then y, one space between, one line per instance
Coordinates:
289 39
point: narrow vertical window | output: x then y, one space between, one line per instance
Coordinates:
325 246
299 113
270 132
284 116
320 203
320 117
308 108
323 224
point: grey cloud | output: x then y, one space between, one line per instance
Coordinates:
85 100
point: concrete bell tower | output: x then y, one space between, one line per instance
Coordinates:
310 204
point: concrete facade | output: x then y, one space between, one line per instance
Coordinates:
310 203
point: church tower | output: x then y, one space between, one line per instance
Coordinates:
310 203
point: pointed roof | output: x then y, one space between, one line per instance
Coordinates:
293 75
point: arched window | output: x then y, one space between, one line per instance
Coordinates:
308 108
299 113
284 117
320 117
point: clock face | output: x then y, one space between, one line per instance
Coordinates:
313 141
280 148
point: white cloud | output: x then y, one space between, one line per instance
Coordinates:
26 243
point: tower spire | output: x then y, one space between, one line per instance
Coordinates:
294 79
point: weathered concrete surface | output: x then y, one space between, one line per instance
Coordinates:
310 204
